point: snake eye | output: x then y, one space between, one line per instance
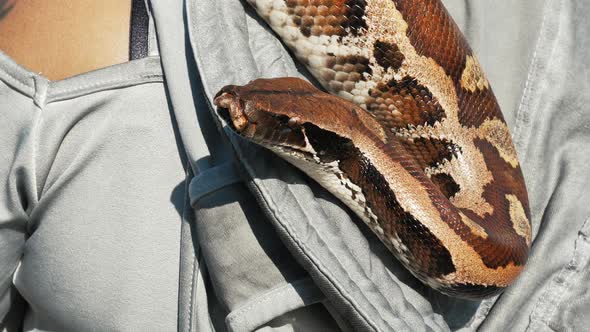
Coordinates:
295 122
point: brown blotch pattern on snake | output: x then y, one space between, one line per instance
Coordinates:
402 103
388 55
327 17
446 184
430 151
434 34
414 243
477 107
343 72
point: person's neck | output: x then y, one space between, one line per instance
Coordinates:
61 38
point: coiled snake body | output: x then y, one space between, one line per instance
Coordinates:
411 137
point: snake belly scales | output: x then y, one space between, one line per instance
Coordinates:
410 136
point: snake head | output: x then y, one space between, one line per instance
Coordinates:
262 127
266 115
291 115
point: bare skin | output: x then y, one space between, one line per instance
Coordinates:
62 38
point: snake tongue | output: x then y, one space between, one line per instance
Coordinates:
231 103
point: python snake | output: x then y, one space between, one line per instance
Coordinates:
410 138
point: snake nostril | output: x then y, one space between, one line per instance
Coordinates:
224 100
236 110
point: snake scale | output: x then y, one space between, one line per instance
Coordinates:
410 137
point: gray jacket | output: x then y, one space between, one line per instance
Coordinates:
264 248
535 55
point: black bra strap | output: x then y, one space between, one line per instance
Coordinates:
139 31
